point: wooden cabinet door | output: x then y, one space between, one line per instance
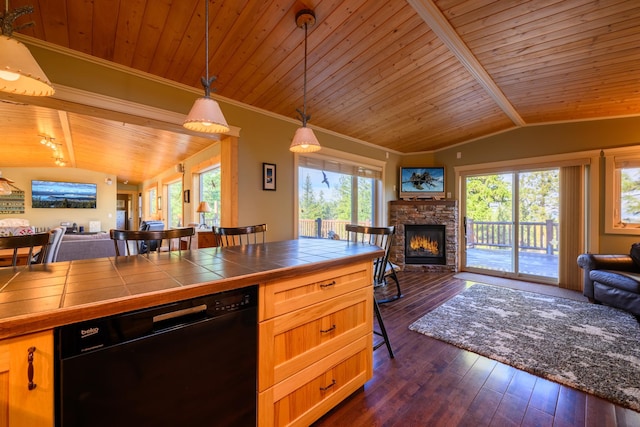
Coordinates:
206 239
23 359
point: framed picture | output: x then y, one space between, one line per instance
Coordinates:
120 204
187 196
269 176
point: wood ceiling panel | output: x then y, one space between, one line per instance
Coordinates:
128 30
156 150
327 44
23 128
181 15
558 61
377 71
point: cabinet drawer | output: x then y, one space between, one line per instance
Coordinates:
303 398
293 341
283 296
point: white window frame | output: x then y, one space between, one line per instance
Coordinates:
217 204
168 202
614 160
151 194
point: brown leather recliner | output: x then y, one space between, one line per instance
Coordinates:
613 280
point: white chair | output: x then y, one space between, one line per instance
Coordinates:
54 243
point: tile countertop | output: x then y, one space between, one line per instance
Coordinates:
46 296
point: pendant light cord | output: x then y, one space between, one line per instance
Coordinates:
206 80
303 114
304 86
206 40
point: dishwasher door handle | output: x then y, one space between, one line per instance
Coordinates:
179 313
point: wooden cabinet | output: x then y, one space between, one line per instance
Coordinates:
315 343
21 359
206 239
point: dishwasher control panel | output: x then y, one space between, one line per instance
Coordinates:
233 302
96 334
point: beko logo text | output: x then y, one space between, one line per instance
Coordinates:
88 332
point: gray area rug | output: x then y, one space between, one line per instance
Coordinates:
589 347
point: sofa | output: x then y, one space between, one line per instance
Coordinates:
613 280
86 246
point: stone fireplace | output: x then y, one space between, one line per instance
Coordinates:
433 225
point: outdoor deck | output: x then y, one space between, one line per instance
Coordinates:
500 260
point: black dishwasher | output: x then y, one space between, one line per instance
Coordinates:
189 363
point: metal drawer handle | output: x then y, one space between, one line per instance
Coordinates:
333 382
324 331
328 285
30 352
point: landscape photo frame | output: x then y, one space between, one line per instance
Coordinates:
269 176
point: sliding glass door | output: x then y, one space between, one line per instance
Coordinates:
511 223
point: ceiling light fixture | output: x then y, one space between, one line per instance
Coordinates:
19 71
304 141
60 161
206 115
47 141
5 186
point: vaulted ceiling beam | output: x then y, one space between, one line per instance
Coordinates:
434 18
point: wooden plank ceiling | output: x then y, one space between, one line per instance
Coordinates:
407 75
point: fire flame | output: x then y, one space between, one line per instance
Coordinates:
423 244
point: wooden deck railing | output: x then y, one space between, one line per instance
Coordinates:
536 236
542 236
325 228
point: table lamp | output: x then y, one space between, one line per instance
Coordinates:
202 208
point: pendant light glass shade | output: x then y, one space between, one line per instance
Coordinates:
206 116
304 141
19 71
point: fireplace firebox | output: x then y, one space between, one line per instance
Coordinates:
425 244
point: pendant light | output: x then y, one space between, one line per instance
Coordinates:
19 71
304 141
206 115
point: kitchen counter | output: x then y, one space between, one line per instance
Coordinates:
45 296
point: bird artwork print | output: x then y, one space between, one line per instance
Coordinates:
325 180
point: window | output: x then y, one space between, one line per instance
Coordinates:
622 213
174 204
209 183
335 191
152 202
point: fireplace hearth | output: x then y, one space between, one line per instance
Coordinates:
425 244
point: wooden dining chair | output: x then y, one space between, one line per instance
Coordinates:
148 236
381 237
34 247
236 236
383 268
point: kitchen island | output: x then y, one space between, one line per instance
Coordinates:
300 283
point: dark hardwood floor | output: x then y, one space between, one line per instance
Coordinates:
431 383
